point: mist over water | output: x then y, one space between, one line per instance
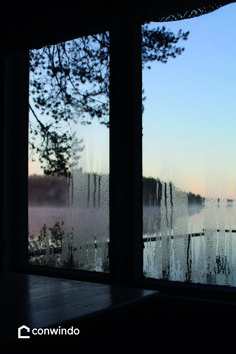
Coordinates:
183 241
197 246
76 228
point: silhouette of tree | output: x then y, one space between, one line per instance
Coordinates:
69 82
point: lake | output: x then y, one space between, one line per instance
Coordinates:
85 236
181 243
191 244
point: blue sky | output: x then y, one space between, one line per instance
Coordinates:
190 113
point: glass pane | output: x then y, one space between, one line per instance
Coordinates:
69 154
189 174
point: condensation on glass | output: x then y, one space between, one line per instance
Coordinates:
189 175
69 155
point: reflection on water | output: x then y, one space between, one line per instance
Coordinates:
198 246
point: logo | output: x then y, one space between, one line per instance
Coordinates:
20 329
59 331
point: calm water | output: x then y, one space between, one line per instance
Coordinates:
193 244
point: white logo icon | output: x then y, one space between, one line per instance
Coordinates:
20 330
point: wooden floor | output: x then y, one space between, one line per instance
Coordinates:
109 318
39 302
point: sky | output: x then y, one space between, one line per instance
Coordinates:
95 156
189 121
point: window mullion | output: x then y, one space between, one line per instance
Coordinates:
125 152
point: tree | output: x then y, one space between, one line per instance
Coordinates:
69 82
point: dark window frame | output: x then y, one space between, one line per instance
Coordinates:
125 194
126 245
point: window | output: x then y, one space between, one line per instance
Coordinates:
68 181
157 207
189 176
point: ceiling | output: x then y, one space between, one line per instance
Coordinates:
33 27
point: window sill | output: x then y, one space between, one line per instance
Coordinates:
190 291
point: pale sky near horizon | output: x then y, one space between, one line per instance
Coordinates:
189 122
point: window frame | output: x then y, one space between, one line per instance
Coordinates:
126 244
125 259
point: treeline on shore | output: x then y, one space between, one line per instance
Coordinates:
48 190
154 191
55 191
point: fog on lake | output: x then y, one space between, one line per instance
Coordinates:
191 243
